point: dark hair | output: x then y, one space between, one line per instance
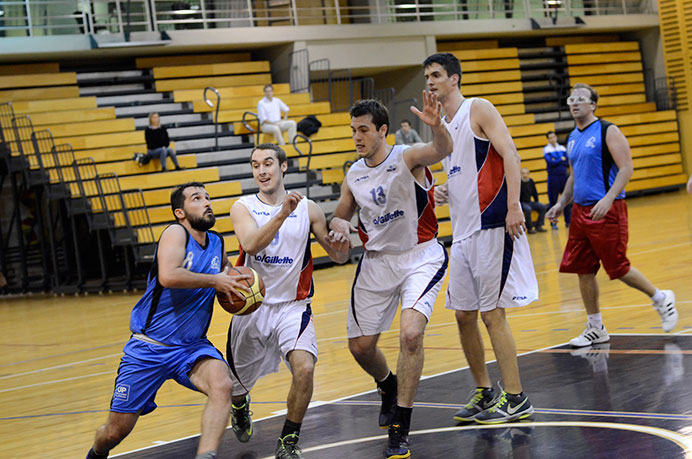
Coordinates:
278 151
405 121
374 108
448 61
268 85
178 197
594 94
547 134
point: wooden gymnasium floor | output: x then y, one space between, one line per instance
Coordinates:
625 399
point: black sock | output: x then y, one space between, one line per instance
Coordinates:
520 394
92 455
388 385
290 428
402 417
487 391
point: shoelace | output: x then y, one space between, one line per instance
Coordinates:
477 397
502 401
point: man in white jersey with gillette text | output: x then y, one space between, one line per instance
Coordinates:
491 267
273 228
393 189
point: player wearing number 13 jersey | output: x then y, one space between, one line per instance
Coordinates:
403 262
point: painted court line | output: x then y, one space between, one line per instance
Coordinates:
683 442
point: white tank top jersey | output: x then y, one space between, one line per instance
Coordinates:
476 178
286 263
396 213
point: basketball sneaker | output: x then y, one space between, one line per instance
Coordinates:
666 309
387 408
287 448
507 408
481 399
241 421
397 446
591 335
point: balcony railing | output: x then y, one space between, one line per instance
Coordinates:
56 17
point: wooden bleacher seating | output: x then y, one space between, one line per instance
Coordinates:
190 59
30 69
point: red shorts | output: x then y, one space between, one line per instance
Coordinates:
590 241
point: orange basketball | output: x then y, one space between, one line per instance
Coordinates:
253 298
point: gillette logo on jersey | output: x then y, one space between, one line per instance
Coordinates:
454 171
388 217
274 260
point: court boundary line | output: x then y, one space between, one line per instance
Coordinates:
423 377
683 442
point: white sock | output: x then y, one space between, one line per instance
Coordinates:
657 298
595 320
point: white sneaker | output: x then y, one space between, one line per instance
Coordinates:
666 309
591 335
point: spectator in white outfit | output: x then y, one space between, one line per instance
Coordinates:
269 110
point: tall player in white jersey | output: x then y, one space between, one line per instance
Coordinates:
393 189
491 267
273 228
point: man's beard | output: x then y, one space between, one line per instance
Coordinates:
205 222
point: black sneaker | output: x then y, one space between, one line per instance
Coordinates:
397 446
481 400
387 408
287 448
241 421
507 408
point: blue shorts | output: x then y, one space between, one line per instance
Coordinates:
145 367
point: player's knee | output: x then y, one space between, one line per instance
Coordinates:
221 388
466 317
492 318
411 339
359 348
304 370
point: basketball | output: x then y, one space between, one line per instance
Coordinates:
253 298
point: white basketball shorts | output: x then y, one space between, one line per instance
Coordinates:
413 277
257 342
489 269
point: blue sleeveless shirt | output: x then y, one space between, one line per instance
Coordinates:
593 166
180 316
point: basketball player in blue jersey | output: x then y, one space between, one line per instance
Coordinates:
491 267
392 188
601 167
273 228
169 326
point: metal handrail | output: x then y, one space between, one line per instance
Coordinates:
216 115
309 155
50 16
250 128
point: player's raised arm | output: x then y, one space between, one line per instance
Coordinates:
253 238
420 155
338 246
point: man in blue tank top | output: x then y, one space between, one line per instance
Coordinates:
601 167
169 326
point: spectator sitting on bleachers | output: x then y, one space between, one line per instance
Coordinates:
406 135
269 110
528 191
158 144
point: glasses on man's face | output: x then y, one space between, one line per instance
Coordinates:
573 100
